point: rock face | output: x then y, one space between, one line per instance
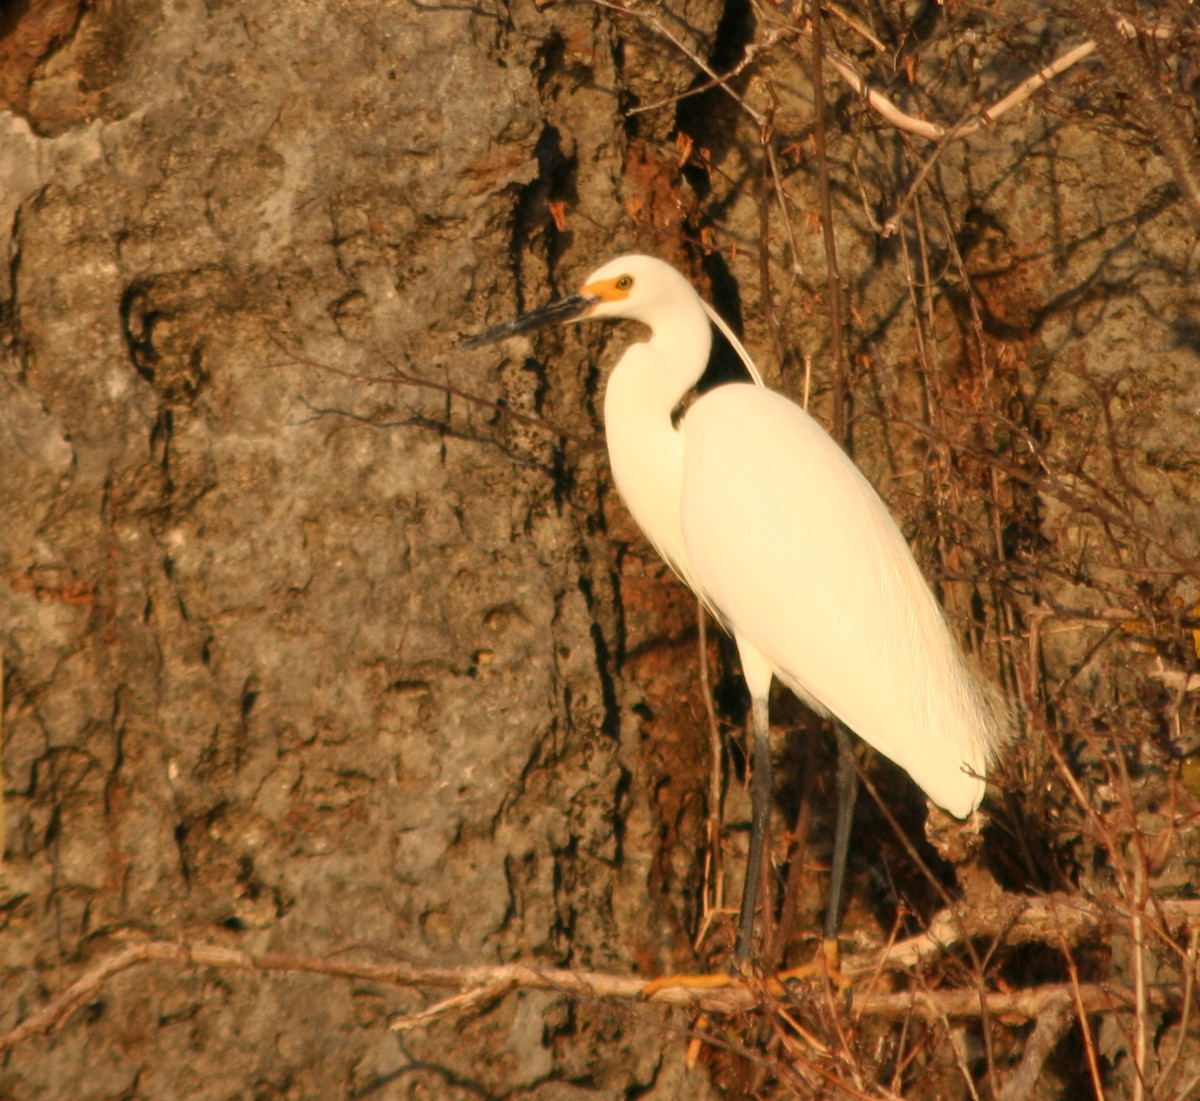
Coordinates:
322 636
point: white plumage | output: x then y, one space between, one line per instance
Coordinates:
770 523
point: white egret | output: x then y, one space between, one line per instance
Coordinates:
769 522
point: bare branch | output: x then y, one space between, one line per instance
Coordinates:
1052 1023
1019 920
1040 920
934 131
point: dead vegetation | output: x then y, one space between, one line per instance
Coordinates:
964 352
1065 549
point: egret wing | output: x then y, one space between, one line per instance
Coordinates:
801 557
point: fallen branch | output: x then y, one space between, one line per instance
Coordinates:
478 985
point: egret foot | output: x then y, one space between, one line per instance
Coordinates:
827 963
714 981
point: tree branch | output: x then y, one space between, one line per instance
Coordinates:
1037 919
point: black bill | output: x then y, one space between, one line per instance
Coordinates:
565 309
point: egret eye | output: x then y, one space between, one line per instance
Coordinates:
625 283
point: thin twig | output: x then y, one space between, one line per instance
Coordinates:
1190 963
833 280
403 378
456 1005
1137 906
1085 1027
1129 66
718 80
3 820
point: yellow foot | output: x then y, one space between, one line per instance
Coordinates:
687 982
827 963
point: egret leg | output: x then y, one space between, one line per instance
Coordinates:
761 786
847 794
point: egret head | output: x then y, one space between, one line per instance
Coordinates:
638 288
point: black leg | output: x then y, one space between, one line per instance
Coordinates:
847 793
760 812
